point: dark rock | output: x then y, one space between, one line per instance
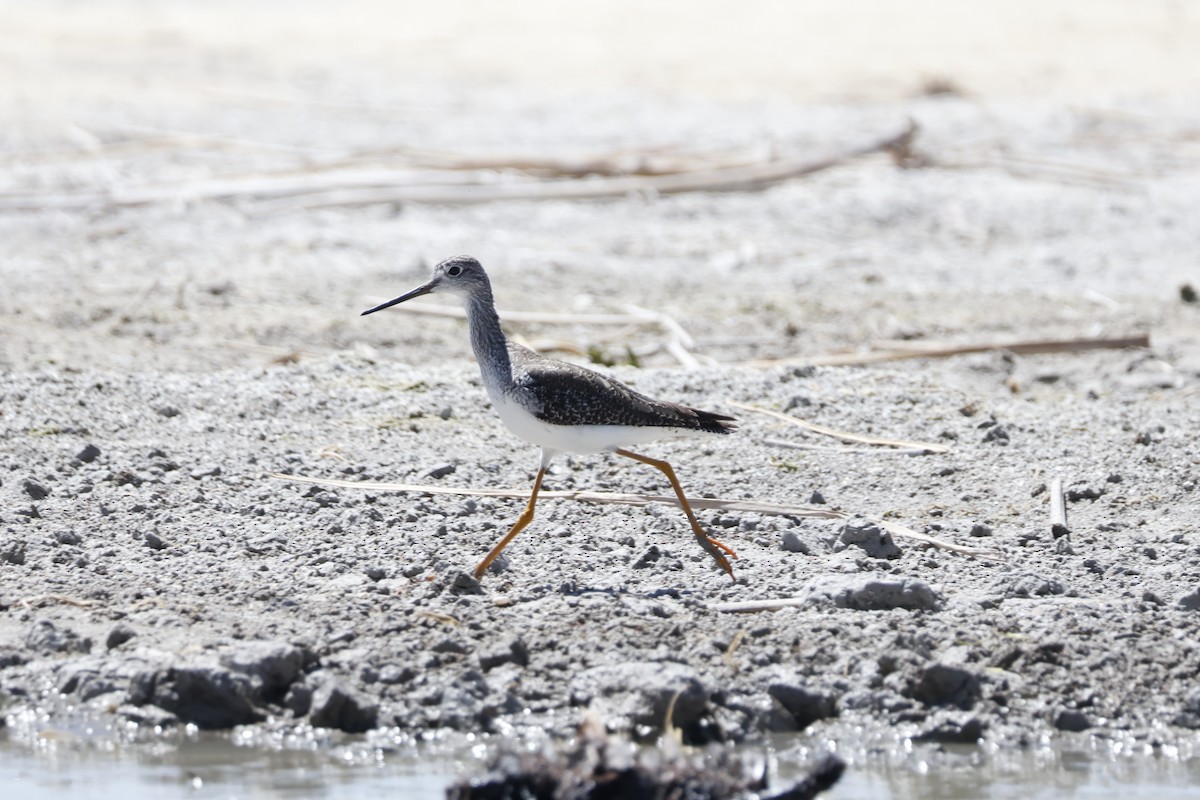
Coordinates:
87 683
334 706
119 635
803 706
126 478
45 637
1187 293
68 538
88 454
167 411
592 766
35 490
513 652
453 646
639 693
1186 719
1031 585
997 434
298 699
1190 601
946 728
1072 720
947 684
980 530
870 537
797 401
816 498
272 667
648 558
441 471
13 552
10 657
875 594
460 705
466 583
394 673
153 541
211 698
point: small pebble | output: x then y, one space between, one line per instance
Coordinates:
68 537
35 490
793 543
205 471
119 635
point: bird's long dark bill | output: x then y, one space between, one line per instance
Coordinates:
417 292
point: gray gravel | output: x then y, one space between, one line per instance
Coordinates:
225 597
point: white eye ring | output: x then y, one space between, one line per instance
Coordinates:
454 271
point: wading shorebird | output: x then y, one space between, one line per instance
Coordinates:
562 407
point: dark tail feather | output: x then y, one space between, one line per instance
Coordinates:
712 422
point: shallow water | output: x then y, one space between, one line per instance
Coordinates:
67 766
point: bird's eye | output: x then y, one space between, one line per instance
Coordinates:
454 271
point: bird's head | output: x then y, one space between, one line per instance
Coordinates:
461 275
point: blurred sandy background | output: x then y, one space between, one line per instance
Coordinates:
850 48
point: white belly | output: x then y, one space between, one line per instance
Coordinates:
577 438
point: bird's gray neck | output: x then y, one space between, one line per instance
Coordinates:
487 340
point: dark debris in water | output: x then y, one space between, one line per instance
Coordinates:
594 766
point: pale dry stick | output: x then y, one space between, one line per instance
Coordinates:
639 500
727 656
176 138
663 319
238 187
281 99
635 162
644 160
1064 171
679 341
1027 347
27 602
729 179
445 186
752 606
845 436
103 149
827 449
1058 509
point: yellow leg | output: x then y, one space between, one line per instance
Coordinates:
523 520
710 545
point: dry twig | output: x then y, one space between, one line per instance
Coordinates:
757 506
898 351
1058 509
920 447
28 602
